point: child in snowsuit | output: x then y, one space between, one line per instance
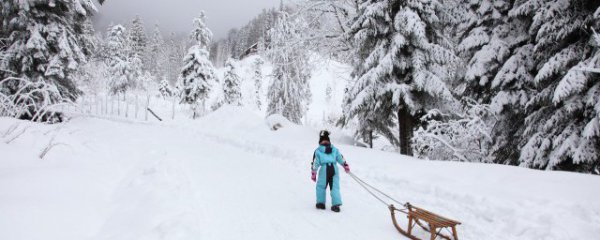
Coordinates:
324 162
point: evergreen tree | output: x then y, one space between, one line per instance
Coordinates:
232 92
401 67
258 79
495 50
198 71
289 91
92 41
122 64
138 39
486 40
330 115
44 42
561 127
158 58
239 42
175 50
165 89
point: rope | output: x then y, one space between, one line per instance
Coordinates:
369 189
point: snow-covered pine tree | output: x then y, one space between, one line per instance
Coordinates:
176 48
43 42
89 77
561 130
495 48
289 92
400 67
122 73
486 39
330 116
165 89
240 42
258 79
232 92
201 35
241 38
92 44
138 40
158 58
198 72
146 81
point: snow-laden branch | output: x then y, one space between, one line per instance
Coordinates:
462 136
588 69
37 100
455 151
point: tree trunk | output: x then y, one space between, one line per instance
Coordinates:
371 139
405 128
194 111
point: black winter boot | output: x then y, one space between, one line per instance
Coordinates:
335 208
321 206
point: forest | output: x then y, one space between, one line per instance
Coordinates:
512 82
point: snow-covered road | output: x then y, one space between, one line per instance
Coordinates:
227 176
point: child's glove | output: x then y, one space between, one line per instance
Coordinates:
346 167
313 176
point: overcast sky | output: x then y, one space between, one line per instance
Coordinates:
176 15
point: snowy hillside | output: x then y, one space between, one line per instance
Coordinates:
325 74
227 176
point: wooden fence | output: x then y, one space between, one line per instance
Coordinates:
128 106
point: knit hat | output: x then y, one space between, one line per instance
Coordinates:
324 136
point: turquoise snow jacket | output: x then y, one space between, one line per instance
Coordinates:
321 158
324 163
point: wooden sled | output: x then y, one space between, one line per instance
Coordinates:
416 216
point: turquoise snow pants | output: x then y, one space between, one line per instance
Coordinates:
328 176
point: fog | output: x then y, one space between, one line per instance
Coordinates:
176 15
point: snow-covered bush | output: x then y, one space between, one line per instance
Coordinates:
35 101
277 121
456 137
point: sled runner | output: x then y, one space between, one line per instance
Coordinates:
428 221
416 216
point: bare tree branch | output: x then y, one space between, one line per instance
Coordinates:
49 147
17 135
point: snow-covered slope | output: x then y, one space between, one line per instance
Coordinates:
326 73
227 176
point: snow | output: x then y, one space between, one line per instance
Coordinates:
327 72
228 176
336 75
